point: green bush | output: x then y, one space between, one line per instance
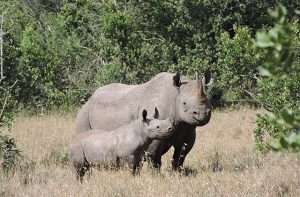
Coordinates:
9 152
60 51
236 66
279 88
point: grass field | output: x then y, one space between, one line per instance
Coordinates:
223 162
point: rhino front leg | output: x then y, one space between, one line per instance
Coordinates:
137 163
181 150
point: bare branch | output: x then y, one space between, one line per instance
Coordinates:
257 100
4 105
13 85
1 47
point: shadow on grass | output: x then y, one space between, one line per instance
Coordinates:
185 171
189 171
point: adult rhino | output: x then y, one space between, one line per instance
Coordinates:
183 100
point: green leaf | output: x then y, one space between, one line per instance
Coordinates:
273 33
281 13
287 115
284 143
263 40
275 144
294 141
264 71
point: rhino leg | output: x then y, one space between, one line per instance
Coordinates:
81 165
137 163
183 148
154 153
80 172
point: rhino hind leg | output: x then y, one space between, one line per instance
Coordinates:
82 168
80 172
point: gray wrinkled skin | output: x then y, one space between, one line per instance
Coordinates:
181 99
103 148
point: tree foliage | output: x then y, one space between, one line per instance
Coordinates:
280 86
60 51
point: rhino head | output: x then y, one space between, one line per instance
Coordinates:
193 105
155 128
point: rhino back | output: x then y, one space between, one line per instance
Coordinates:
117 104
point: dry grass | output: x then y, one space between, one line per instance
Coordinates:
222 163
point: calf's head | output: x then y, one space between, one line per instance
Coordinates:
193 105
155 128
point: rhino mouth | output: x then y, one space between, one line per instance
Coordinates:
165 135
201 122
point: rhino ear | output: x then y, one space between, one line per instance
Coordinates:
207 79
156 114
144 114
176 80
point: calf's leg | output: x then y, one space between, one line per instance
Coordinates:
137 163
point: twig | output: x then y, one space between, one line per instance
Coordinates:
257 100
251 76
13 85
4 105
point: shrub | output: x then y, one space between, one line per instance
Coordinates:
236 66
9 152
60 51
279 88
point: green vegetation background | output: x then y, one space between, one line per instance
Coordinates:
60 51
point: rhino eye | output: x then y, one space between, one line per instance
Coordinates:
157 127
184 103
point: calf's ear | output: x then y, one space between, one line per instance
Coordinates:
156 114
176 80
144 114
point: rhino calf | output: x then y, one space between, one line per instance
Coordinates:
102 148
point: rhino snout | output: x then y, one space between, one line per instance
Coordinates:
201 113
169 129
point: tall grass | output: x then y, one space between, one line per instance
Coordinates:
223 162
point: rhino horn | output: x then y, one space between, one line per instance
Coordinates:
199 85
204 82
